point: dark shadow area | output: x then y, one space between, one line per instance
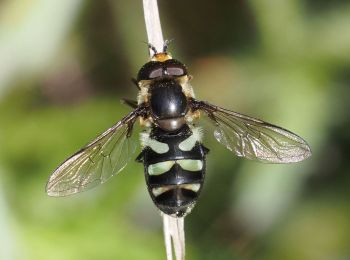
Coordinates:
201 27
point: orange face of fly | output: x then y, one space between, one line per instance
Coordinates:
161 57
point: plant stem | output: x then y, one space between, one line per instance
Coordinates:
153 27
173 227
174 232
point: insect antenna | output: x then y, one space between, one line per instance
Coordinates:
151 46
166 44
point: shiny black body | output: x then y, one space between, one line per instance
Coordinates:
168 106
167 100
176 201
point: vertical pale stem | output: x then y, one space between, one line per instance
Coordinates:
178 236
173 227
153 27
167 238
174 232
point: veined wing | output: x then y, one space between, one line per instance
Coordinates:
94 164
253 138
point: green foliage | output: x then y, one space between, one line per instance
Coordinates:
287 63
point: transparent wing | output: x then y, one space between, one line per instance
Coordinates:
253 138
94 164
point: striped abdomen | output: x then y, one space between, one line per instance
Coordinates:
174 168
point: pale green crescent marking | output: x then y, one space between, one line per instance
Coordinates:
188 144
193 187
155 145
190 165
160 168
160 190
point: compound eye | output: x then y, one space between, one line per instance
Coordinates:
175 71
156 73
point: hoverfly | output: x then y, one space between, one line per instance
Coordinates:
173 155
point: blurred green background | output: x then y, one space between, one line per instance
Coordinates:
64 65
